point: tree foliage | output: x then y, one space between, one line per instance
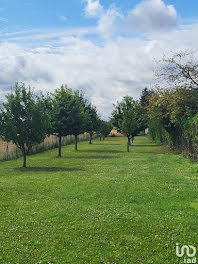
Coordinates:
127 117
24 119
78 115
104 129
173 108
67 113
92 120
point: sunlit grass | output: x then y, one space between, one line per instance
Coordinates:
98 205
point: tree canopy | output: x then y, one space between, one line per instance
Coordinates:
68 114
92 120
127 118
24 119
173 108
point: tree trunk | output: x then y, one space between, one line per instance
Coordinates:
132 139
128 144
59 146
103 138
100 138
24 159
76 142
90 139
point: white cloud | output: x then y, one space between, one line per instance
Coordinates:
105 73
108 19
108 22
93 8
146 17
152 15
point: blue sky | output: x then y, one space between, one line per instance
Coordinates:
106 48
24 14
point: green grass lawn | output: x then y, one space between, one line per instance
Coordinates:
100 205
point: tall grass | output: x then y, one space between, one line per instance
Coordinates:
10 151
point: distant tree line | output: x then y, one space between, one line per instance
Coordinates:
27 118
171 108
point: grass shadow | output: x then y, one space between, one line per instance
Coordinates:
89 157
101 151
150 152
108 144
144 146
47 169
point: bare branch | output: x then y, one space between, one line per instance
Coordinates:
181 69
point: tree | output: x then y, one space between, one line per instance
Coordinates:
78 115
126 118
117 116
104 129
24 119
107 128
173 108
179 70
62 113
143 109
130 125
91 120
144 98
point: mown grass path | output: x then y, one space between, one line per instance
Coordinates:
100 205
